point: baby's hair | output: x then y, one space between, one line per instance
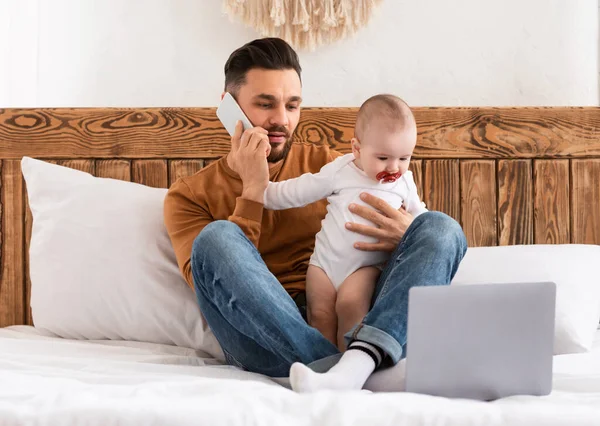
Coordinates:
386 110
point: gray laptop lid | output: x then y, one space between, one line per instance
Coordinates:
481 341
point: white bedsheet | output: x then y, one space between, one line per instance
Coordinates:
53 381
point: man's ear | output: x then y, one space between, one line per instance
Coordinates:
223 95
355 147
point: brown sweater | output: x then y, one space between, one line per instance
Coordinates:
285 238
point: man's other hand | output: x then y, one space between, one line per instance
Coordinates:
390 224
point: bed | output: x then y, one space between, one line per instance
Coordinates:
510 176
57 381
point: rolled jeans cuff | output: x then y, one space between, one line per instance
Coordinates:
376 337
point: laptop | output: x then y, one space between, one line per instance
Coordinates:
484 341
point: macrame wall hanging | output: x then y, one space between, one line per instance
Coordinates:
305 24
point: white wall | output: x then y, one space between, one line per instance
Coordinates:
171 53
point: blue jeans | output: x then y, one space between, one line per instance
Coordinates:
259 326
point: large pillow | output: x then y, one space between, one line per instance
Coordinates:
102 265
574 268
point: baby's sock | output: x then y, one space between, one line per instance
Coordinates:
350 373
392 379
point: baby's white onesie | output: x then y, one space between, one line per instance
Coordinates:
342 182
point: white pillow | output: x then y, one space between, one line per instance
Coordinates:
574 268
102 265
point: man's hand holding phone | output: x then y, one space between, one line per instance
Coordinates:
249 149
248 158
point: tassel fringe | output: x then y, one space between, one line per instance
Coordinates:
305 24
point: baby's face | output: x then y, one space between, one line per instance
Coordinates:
385 152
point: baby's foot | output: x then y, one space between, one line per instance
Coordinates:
303 379
350 373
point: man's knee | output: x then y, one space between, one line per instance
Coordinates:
441 231
213 239
211 248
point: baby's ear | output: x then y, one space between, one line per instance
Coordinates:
355 147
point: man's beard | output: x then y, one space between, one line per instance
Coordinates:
276 156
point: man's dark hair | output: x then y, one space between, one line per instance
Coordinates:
266 53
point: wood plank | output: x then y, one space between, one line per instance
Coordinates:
416 166
551 202
515 204
12 280
183 168
478 202
150 172
478 133
585 216
441 186
508 132
87 166
114 169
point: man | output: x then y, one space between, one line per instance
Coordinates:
247 265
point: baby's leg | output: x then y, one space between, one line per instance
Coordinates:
320 302
354 299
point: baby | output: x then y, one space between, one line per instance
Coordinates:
340 280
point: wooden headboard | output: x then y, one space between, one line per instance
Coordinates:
508 175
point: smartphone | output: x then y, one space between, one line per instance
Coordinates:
229 112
